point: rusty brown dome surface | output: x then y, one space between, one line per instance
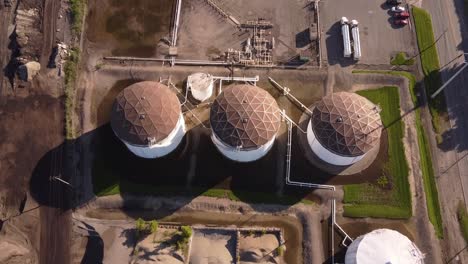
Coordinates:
346 123
145 112
245 116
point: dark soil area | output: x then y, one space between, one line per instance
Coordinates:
129 28
31 125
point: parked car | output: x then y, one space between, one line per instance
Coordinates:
398 9
400 22
394 2
402 15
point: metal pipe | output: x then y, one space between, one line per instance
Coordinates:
312 185
287 93
237 79
176 23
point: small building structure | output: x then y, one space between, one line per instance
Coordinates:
343 128
383 246
147 118
244 121
201 85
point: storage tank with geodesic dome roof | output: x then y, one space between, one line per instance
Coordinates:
343 128
147 118
244 121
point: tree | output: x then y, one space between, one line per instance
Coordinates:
186 231
140 225
153 226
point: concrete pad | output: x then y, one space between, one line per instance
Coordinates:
380 39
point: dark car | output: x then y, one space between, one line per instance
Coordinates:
400 22
394 2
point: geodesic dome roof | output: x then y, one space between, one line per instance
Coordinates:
145 112
245 116
346 123
383 246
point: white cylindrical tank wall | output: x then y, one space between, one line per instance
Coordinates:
326 155
201 86
383 246
241 155
163 147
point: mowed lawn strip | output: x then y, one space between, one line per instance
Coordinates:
430 187
112 186
364 200
430 65
463 220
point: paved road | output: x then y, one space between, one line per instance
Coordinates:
452 156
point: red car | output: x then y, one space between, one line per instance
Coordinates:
400 22
402 15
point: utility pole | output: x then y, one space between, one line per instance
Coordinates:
465 64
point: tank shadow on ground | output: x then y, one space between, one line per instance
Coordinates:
94 252
452 138
195 167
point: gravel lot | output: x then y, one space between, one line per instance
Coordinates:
204 33
380 39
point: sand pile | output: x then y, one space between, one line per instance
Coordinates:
212 247
159 248
259 249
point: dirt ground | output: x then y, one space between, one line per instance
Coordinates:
129 28
31 126
213 35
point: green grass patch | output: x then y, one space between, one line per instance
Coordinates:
77 9
364 200
70 70
430 187
377 211
430 65
401 59
463 220
107 188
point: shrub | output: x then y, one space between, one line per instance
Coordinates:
186 231
153 226
280 251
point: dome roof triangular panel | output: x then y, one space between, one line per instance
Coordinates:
143 111
245 115
346 123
